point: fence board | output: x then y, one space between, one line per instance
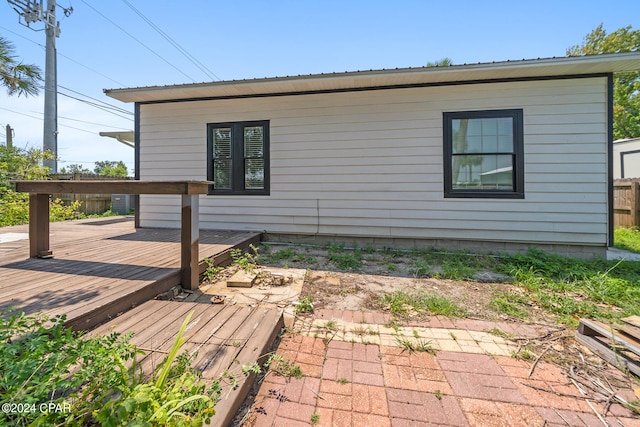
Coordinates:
91 204
626 202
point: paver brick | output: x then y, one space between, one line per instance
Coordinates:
368 378
370 420
282 421
342 419
408 411
296 411
336 401
488 387
310 370
333 387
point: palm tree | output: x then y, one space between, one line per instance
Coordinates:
18 78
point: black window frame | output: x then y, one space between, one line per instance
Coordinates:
238 159
517 116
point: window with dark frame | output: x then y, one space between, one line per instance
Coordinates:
238 157
483 154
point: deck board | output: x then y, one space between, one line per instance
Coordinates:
101 267
104 276
224 337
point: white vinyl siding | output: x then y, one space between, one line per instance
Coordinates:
370 163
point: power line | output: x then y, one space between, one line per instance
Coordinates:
93 104
175 44
106 104
142 44
101 105
40 118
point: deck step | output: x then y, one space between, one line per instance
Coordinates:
224 337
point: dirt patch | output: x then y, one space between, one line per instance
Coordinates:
357 291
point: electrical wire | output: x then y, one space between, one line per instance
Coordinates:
210 74
59 124
93 104
106 104
142 44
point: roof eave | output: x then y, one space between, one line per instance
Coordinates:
579 65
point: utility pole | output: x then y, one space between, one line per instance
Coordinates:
9 137
32 11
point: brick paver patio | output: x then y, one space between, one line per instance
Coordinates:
356 373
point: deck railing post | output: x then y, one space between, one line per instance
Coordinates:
189 241
39 226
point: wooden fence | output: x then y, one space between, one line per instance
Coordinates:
91 204
626 202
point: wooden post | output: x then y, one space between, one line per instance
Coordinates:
633 202
189 242
39 226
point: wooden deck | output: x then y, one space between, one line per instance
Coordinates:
101 267
225 337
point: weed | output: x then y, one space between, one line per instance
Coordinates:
509 304
283 367
391 266
523 354
342 380
369 249
456 269
420 268
212 270
315 419
497 332
392 323
438 394
331 325
347 260
419 345
244 259
402 302
627 239
305 305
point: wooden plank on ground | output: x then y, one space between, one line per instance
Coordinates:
255 350
632 320
614 347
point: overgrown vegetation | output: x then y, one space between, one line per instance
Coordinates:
26 164
420 302
572 288
56 377
540 284
627 239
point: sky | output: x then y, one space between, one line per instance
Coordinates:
113 44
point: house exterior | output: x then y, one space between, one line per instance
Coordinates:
493 156
626 158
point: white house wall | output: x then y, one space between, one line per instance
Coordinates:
370 163
631 151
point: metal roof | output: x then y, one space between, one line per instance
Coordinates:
355 80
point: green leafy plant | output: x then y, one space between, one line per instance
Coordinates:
246 260
344 259
305 305
315 418
42 361
283 367
174 400
94 379
212 270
